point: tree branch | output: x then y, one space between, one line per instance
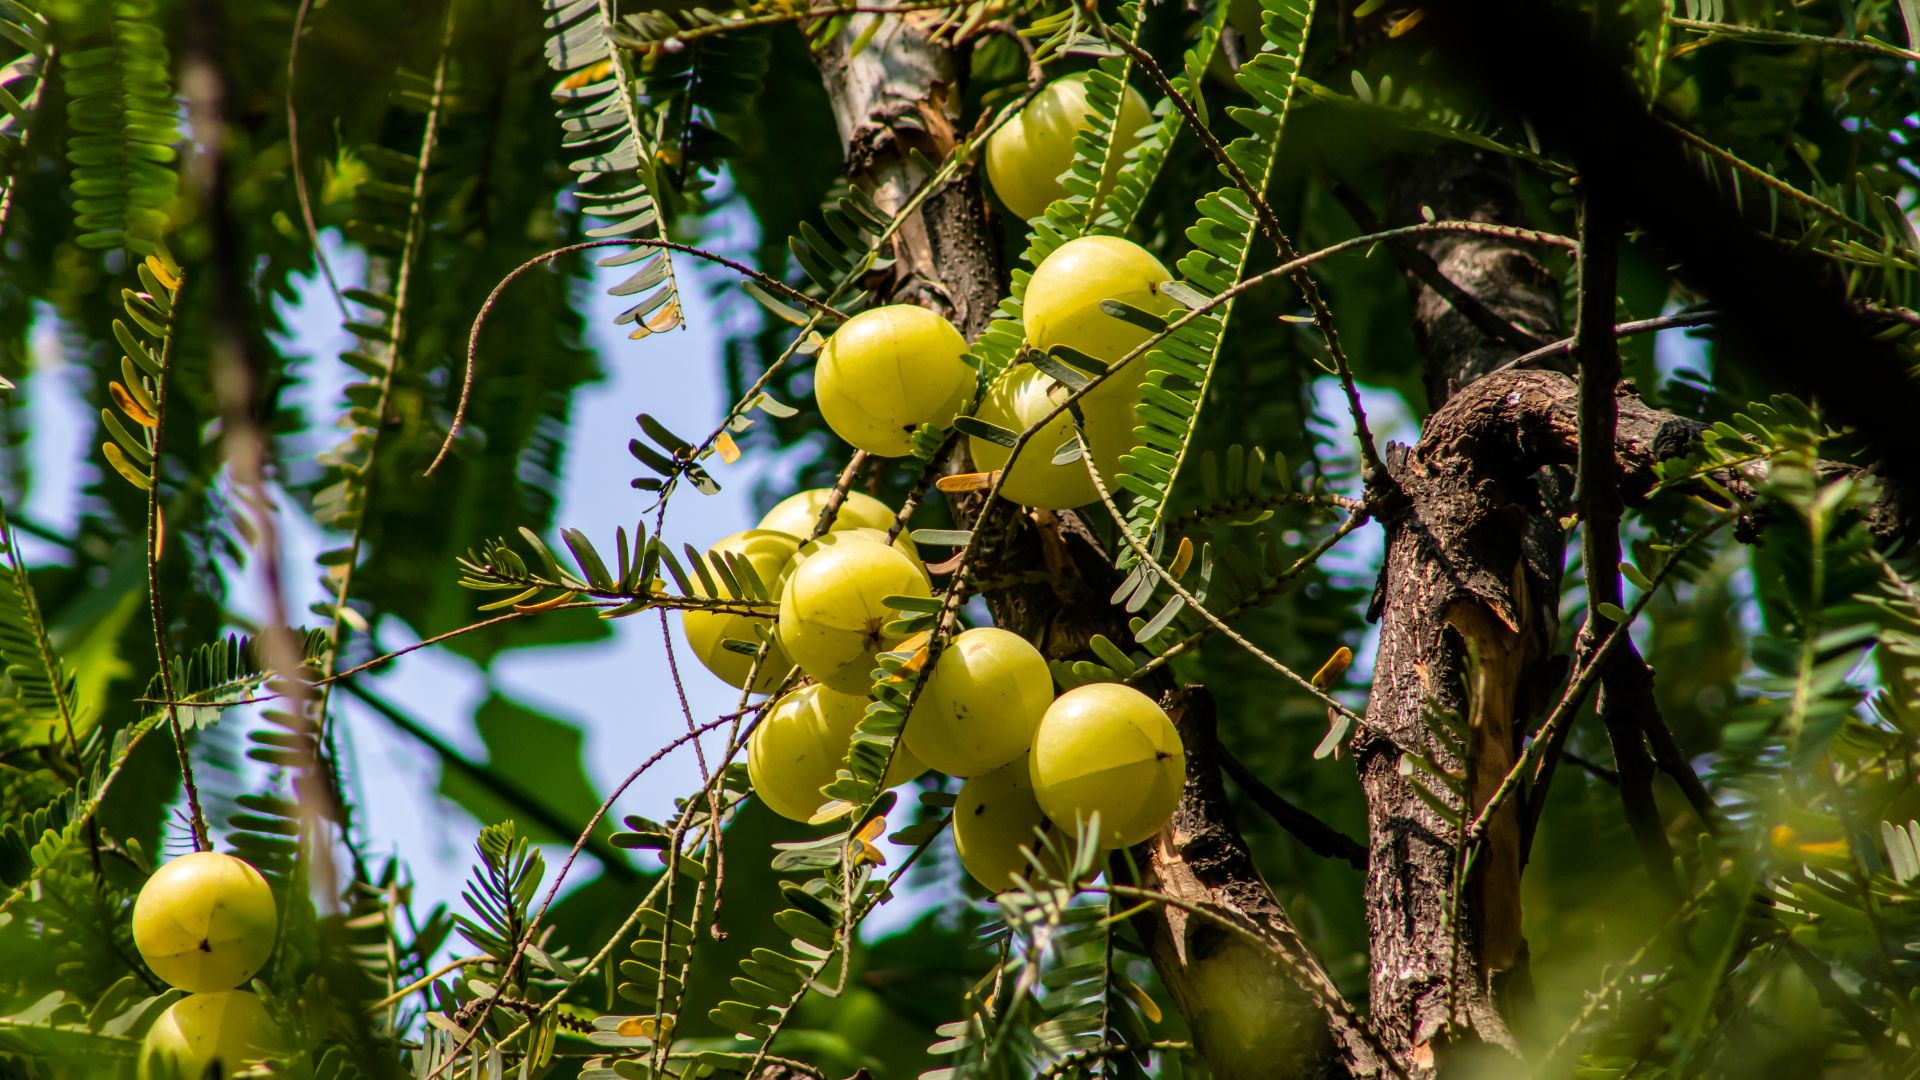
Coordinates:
900 93
1784 304
1468 610
1600 508
1251 1015
1320 838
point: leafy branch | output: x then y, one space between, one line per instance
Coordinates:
142 398
719 581
355 460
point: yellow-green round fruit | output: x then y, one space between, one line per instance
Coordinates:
768 552
888 370
1015 402
1062 307
205 922
798 514
230 1027
1026 157
1062 302
900 544
994 823
800 745
1106 748
982 702
831 610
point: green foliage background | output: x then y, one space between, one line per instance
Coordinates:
429 138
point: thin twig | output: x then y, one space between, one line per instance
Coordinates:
475 1029
1601 507
1320 838
1734 31
1200 608
1700 317
385 658
300 193
766 281
427 980
1354 521
505 787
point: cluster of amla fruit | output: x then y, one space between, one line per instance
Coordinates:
1102 753
987 712
892 369
205 923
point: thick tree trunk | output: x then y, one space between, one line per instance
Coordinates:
1467 606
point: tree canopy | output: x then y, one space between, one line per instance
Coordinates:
1443 471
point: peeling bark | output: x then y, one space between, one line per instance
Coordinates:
1468 602
1460 629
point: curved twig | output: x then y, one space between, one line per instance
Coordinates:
300 193
765 281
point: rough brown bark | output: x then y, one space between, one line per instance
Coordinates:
1507 279
1468 609
902 93
1457 583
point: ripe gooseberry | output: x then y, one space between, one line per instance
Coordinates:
832 612
982 702
888 370
1016 402
900 544
768 552
205 922
230 1028
1062 301
1106 748
1062 307
1027 155
797 515
800 744
995 820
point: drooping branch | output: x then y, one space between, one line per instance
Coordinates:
1624 714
